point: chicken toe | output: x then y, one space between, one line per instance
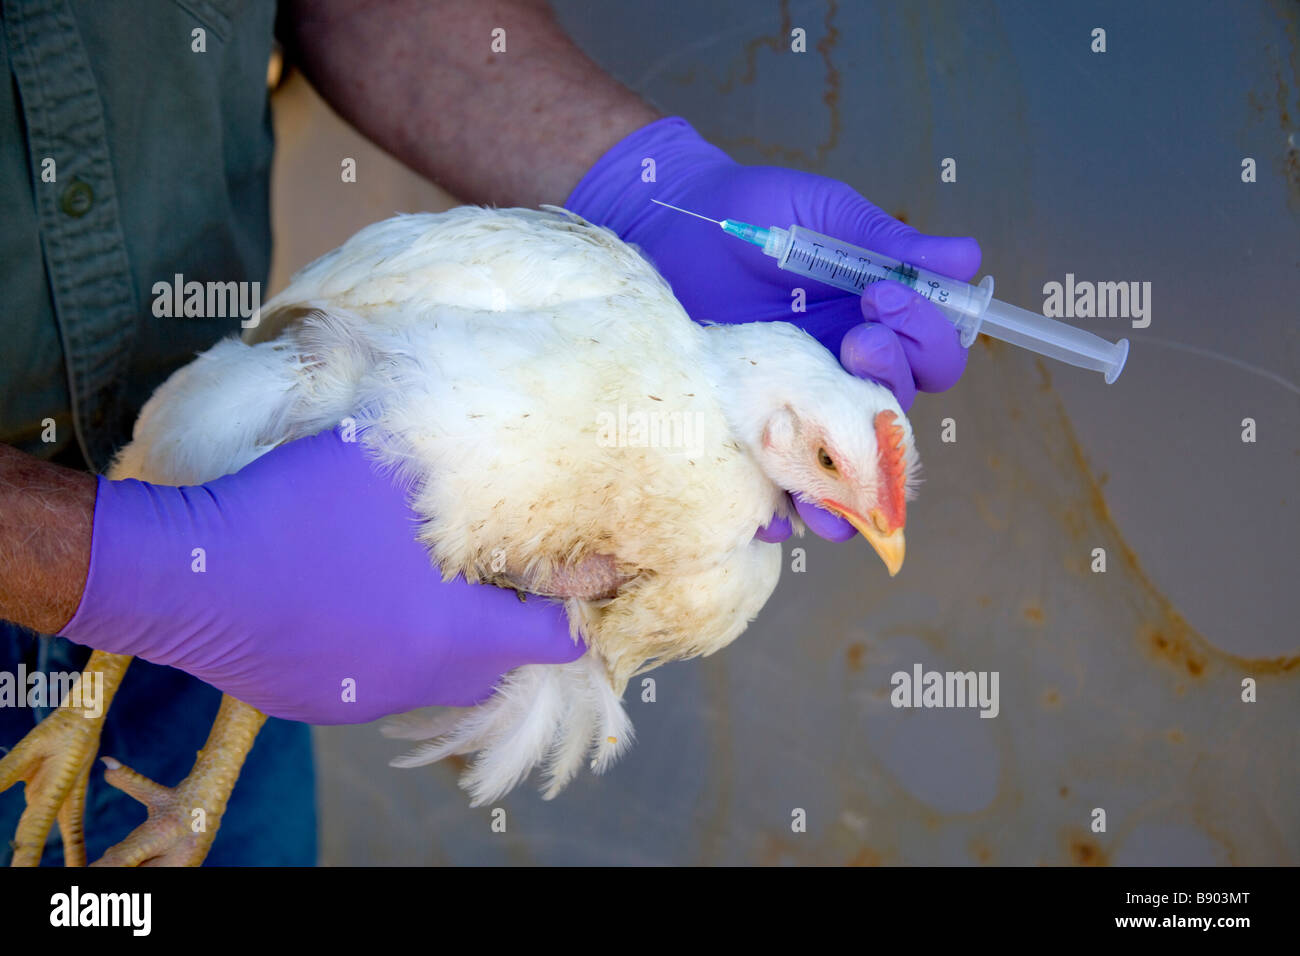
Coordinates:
183 820
54 762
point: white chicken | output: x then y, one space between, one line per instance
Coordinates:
568 431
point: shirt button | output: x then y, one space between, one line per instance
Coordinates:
77 199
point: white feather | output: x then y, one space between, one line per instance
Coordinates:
424 724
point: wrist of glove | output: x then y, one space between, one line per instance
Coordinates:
297 585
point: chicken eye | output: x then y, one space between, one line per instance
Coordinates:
825 460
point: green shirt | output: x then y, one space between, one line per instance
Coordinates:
161 165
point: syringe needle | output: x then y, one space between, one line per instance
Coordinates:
716 222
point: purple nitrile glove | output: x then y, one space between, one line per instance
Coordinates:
310 583
905 343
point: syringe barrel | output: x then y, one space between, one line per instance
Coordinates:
1056 340
971 308
852 269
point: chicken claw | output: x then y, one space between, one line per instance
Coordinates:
54 761
183 820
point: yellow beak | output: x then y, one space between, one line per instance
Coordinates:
890 546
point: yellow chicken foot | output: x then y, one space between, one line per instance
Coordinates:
183 820
54 760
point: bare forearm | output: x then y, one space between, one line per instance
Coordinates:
420 79
46 516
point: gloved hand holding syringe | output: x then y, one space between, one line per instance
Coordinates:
971 308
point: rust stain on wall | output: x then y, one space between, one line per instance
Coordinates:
778 45
1167 635
1281 46
1083 849
981 851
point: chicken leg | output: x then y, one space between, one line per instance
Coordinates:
183 820
54 760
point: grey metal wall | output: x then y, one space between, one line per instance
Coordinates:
1119 690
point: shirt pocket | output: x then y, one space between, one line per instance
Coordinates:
218 16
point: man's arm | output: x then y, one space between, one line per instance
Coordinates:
419 78
46 514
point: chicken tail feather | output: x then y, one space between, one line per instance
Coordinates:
545 716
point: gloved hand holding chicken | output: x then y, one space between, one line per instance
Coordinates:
890 335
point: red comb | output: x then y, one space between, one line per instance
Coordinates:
893 470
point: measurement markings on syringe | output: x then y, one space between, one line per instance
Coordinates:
862 275
817 260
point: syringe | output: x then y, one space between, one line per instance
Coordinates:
971 308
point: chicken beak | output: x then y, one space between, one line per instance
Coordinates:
890 545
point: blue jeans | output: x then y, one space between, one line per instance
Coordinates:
157 723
